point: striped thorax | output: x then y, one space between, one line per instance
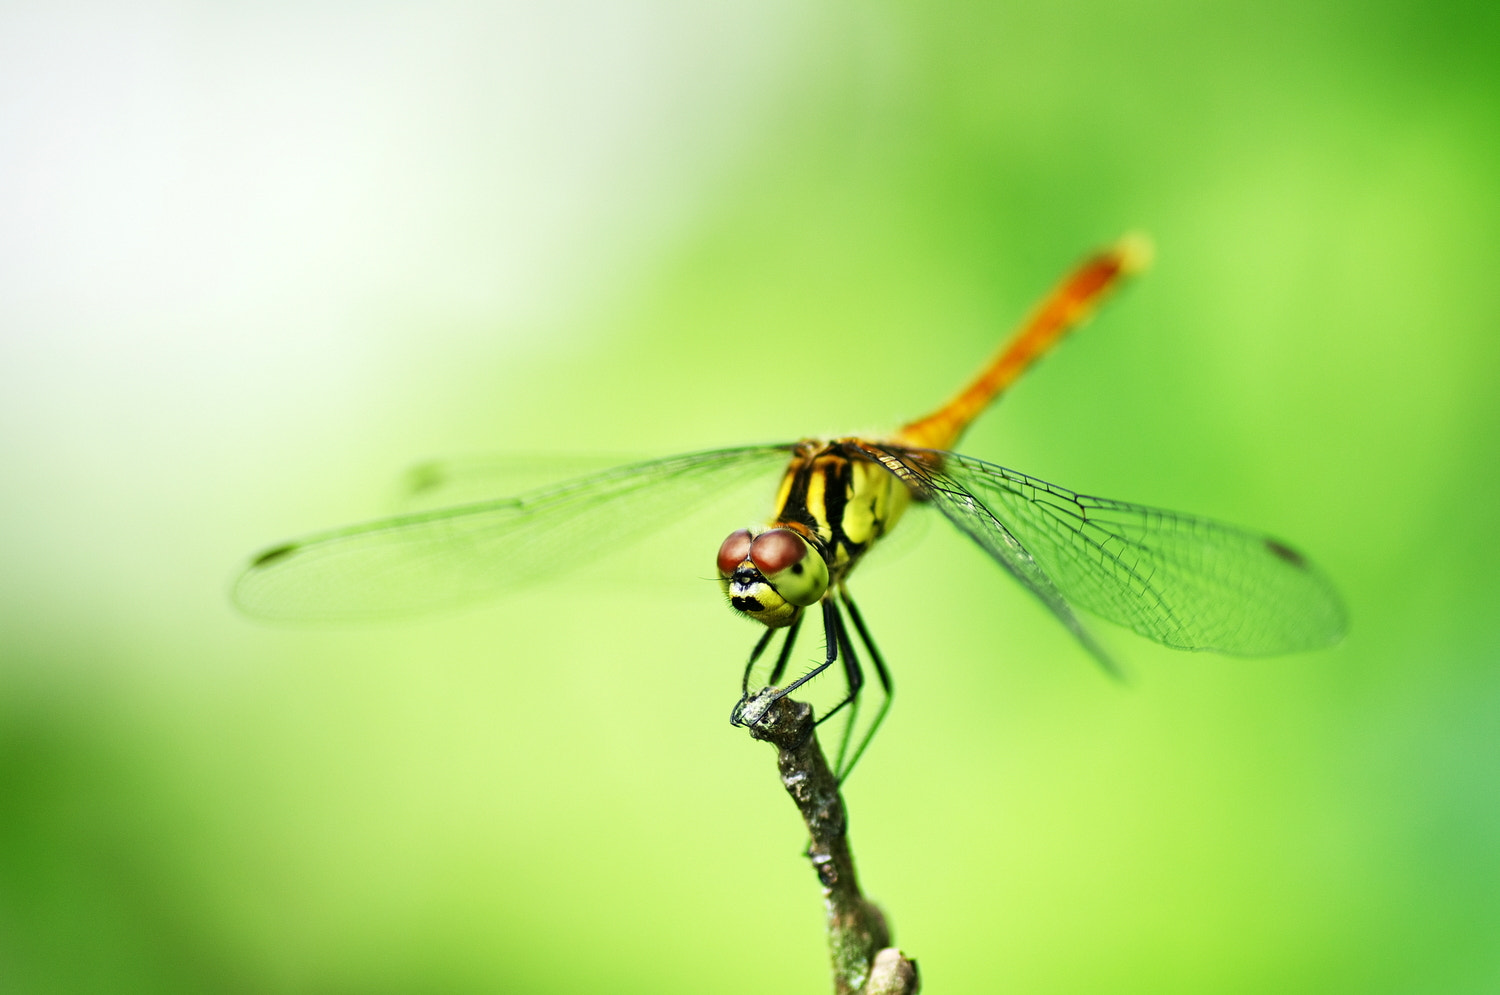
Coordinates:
834 502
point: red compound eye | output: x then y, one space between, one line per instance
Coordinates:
734 551
777 549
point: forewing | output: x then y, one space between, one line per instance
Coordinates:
1183 581
428 560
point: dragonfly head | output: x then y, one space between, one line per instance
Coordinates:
771 574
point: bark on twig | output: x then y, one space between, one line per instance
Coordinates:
859 939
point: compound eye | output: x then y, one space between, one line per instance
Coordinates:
736 550
777 549
791 566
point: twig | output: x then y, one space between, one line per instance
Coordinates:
859 939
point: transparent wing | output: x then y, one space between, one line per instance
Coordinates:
963 509
447 483
433 559
1183 581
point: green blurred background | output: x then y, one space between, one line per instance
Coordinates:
257 259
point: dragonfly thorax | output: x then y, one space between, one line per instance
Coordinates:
771 574
834 502
836 493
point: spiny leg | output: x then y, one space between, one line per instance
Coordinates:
755 655
786 653
885 684
852 672
752 708
836 637
854 678
831 626
837 642
737 714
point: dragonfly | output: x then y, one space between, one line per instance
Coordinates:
1183 581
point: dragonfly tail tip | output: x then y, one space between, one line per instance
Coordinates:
1135 251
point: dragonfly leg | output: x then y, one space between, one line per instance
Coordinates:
840 645
737 715
832 625
755 655
751 708
885 685
841 648
781 660
854 677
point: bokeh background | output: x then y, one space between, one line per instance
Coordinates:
256 259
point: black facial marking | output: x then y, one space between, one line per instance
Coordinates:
746 605
744 576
